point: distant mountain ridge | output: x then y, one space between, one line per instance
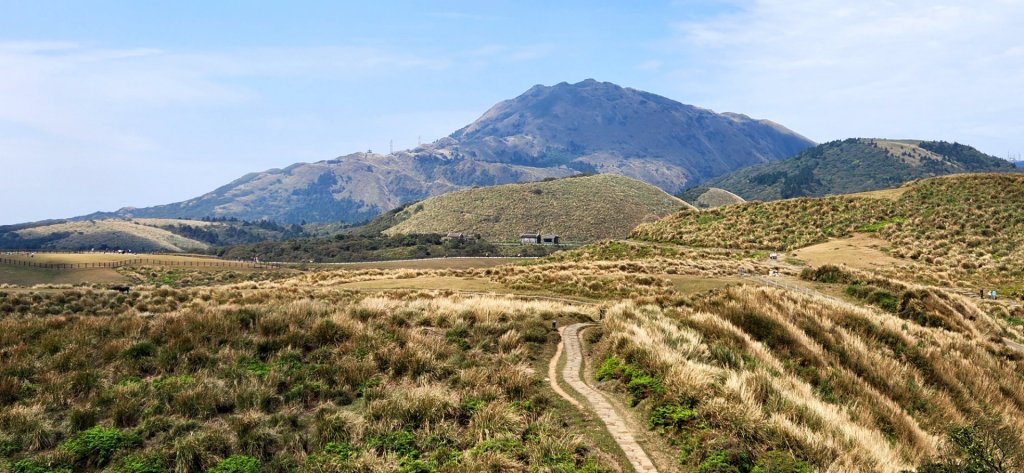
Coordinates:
546 132
856 165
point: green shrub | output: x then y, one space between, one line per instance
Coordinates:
401 442
642 386
96 446
639 383
236 464
875 296
828 274
142 464
608 369
780 462
672 416
140 350
33 466
340 449
726 461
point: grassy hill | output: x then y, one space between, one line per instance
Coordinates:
710 197
760 373
142 234
578 209
856 165
970 224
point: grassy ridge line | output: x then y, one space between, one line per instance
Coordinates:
576 209
856 165
140 235
109 234
965 225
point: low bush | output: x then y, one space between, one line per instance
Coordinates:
780 462
96 446
828 274
236 464
726 461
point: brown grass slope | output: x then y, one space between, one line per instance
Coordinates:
140 234
970 225
715 197
577 209
763 373
137 235
294 375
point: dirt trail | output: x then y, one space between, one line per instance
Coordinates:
572 375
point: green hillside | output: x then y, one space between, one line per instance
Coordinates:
141 234
972 224
577 209
710 197
856 165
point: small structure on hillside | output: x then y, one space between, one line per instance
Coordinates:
459 236
549 239
529 238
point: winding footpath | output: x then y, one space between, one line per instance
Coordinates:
572 374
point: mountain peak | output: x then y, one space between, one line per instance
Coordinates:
548 131
590 124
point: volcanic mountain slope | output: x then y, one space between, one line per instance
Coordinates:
599 126
577 209
546 132
856 165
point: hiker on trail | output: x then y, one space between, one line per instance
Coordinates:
981 293
995 295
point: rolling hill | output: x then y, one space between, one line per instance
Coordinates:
138 235
546 132
856 165
710 197
577 209
972 225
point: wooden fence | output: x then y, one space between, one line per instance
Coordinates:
137 262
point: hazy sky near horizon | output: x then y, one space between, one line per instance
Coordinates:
105 104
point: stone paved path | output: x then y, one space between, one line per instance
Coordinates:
553 375
620 431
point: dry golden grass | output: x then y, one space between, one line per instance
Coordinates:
843 387
964 227
292 369
715 197
114 234
861 251
319 381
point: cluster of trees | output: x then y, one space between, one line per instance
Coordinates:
11 240
243 232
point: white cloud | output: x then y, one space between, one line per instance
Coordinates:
833 69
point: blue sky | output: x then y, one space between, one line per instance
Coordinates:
106 104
